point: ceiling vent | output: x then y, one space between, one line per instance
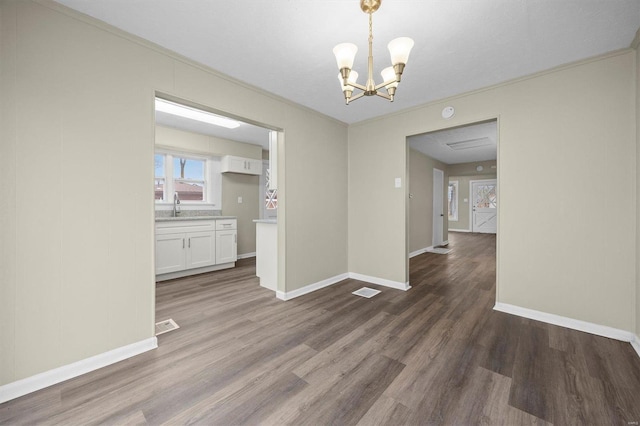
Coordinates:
469 144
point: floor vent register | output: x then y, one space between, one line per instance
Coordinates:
366 292
166 326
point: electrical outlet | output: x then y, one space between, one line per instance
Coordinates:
239 200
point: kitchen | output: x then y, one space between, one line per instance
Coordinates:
211 183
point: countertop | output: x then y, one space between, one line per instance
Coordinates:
273 221
172 219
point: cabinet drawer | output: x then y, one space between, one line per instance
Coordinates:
223 224
172 227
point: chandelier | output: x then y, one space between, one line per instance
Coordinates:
346 52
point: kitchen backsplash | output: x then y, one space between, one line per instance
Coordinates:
189 213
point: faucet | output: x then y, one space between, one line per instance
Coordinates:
176 204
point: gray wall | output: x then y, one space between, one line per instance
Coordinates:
578 122
421 201
77 114
489 168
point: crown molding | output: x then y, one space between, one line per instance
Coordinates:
569 65
74 14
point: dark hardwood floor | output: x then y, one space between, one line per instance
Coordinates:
437 354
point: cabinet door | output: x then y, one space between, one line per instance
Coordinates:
170 253
201 249
254 167
237 165
226 246
231 164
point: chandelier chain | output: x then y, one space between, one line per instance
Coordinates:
370 84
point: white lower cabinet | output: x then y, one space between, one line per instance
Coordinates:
226 240
201 249
226 246
194 245
170 255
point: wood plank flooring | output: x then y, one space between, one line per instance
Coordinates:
437 354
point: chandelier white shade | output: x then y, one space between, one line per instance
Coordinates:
400 49
345 53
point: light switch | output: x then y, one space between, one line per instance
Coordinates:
239 200
466 200
398 182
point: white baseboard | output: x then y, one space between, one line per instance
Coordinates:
188 272
311 287
587 327
330 281
636 344
420 251
380 281
246 255
459 230
40 381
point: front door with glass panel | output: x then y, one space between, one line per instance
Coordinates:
484 206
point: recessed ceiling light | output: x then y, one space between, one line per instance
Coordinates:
195 114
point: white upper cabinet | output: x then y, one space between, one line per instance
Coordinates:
247 166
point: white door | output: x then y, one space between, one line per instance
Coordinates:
438 207
484 206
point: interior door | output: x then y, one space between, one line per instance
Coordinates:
484 206
438 207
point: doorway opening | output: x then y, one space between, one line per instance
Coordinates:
207 187
453 185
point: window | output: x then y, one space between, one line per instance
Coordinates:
190 176
452 196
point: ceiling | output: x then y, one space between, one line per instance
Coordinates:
247 133
475 142
285 46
